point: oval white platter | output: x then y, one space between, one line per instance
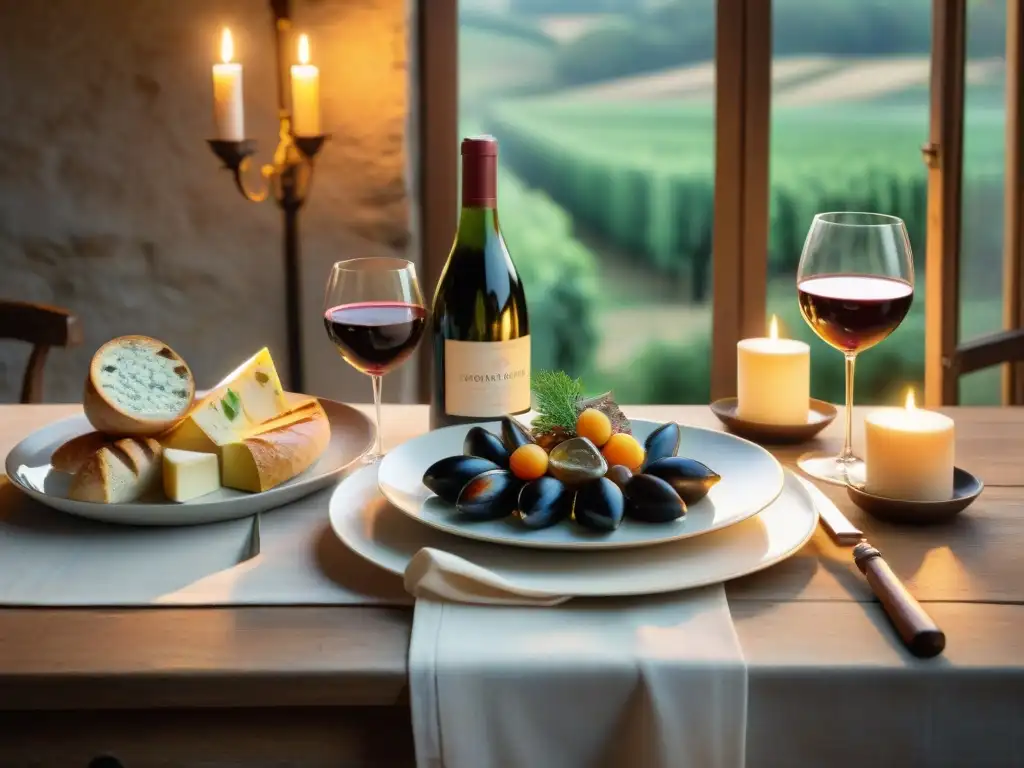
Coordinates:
28 468
372 528
751 480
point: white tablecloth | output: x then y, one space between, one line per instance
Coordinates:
48 558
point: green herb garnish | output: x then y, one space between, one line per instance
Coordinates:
231 403
556 395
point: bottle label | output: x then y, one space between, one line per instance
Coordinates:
486 379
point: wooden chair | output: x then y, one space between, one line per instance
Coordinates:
42 327
994 349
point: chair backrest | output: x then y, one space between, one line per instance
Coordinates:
42 327
994 349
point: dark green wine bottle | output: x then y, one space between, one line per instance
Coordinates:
480 327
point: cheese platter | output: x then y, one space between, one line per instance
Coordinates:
149 450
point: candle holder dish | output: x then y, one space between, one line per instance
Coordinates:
819 415
288 178
966 488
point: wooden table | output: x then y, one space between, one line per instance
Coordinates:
327 686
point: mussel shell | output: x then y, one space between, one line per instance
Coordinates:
599 505
576 461
619 475
489 496
485 445
449 476
652 500
544 502
514 434
662 442
690 478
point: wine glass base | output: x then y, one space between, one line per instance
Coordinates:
372 458
831 469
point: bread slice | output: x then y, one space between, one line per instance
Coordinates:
277 451
75 452
137 386
122 471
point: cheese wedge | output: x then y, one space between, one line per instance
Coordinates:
276 451
247 397
189 475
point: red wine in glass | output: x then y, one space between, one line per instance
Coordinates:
375 336
854 312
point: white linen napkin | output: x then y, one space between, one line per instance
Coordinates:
502 678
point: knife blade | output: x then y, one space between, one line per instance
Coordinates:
919 633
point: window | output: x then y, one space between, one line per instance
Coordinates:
604 112
981 237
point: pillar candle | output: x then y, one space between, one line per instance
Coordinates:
908 453
773 379
305 93
228 109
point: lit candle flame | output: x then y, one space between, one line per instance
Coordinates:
773 328
911 405
303 49
227 46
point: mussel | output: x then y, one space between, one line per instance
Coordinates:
599 505
485 445
662 442
652 500
688 477
544 502
576 461
514 434
489 496
619 475
449 476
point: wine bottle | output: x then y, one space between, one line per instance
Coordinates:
480 328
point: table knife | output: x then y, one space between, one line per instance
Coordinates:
919 633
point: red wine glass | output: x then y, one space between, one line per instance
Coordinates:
374 314
855 284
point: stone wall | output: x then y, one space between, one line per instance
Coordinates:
112 205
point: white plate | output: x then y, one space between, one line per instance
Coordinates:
28 468
376 531
751 479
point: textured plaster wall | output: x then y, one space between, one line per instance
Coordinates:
112 205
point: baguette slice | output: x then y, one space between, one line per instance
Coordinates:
137 386
75 452
277 453
123 471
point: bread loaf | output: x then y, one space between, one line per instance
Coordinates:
277 451
137 386
75 452
125 470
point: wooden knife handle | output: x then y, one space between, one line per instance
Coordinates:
916 628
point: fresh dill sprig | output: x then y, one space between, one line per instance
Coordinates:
556 394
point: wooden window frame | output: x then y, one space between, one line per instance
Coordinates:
946 359
742 120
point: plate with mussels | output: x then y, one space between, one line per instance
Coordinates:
578 474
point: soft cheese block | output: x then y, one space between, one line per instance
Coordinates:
189 474
247 397
137 386
277 451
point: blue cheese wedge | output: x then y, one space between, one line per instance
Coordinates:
137 386
188 475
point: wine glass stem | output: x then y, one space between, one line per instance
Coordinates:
847 455
377 382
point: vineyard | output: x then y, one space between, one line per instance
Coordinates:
642 175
